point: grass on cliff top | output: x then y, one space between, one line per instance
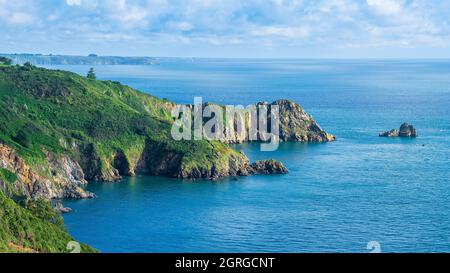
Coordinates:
33 228
39 108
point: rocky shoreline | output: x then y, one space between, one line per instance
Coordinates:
70 175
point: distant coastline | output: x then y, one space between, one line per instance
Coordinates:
92 59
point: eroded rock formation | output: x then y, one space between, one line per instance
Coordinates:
59 177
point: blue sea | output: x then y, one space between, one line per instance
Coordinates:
338 196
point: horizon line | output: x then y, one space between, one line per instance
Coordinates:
231 58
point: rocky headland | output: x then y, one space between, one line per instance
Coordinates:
59 130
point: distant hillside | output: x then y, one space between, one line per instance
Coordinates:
40 59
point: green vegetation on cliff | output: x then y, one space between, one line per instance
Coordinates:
32 227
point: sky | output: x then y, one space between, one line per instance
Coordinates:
228 28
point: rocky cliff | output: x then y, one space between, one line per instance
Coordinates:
57 177
295 125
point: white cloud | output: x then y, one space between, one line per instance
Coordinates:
386 7
73 2
289 32
20 18
132 14
233 23
181 26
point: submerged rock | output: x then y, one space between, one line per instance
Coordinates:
406 130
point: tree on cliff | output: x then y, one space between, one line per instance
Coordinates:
91 74
6 61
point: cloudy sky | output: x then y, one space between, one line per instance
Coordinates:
228 28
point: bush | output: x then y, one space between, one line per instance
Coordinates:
5 61
7 175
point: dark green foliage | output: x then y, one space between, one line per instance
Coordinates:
43 209
28 66
5 61
7 175
22 231
91 74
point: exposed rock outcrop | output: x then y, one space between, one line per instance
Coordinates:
94 167
159 159
406 130
391 133
235 164
268 167
295 124
61 209
59 177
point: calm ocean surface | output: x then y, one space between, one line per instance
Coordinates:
337 197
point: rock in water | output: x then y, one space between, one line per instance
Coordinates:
391 133
406 130
61 209
268 167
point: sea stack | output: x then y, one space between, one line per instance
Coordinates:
406 130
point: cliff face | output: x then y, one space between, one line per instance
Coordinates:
295 125
57 177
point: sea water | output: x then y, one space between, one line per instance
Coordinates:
337 197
